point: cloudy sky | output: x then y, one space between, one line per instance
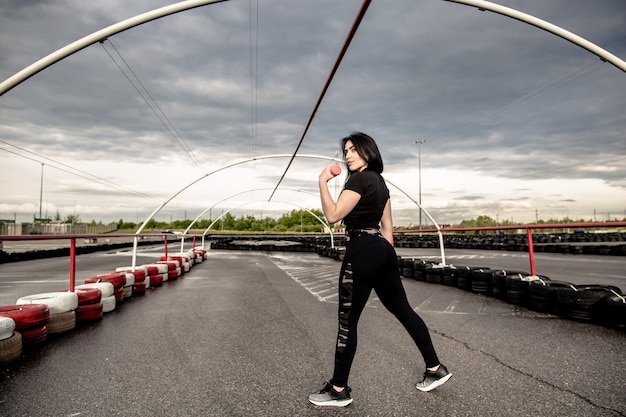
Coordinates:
519 124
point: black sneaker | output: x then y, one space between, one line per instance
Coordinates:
327 396
433 380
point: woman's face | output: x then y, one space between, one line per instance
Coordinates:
354 161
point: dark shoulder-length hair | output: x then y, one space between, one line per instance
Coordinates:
367 149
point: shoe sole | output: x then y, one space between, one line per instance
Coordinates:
333 403
435 384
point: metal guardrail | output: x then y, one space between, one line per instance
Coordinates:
528 228
88 237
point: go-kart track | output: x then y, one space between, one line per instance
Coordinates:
251 333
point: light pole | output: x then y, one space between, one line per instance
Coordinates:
419 144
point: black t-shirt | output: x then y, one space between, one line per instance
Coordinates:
374 195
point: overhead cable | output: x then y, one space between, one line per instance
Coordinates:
344 48
83 174
143 92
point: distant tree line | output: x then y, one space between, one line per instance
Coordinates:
294 221
486 221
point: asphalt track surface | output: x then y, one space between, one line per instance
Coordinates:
252 334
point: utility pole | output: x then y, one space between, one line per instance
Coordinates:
419 144
41 193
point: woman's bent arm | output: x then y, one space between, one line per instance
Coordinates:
335 211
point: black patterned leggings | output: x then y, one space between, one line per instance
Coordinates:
371 263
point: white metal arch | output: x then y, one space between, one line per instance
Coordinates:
238 194
98 36
332 240
182 240
549 27
135 243
256 158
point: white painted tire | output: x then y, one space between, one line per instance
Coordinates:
7 325
127 291
130 279
106 288
130 269
176 262
161 268
108 304
57 302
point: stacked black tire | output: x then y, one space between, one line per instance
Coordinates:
599 304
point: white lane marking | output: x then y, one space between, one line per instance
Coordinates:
451 307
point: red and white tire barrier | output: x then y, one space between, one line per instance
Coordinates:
118 279
183 260
31 320
157 274
62 306
139 283
89 306
107 290
33 317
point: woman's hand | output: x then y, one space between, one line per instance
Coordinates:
325 175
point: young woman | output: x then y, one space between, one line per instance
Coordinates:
370 263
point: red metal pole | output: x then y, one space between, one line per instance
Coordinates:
165 242
72 263
193 246
531 250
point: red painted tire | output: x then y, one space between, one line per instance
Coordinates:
140 272
10 349
139 288
119 294
27 316
183 261
88 313
140 277
32 337
106 288
172 274
87 295
156 280
118 279
152 270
